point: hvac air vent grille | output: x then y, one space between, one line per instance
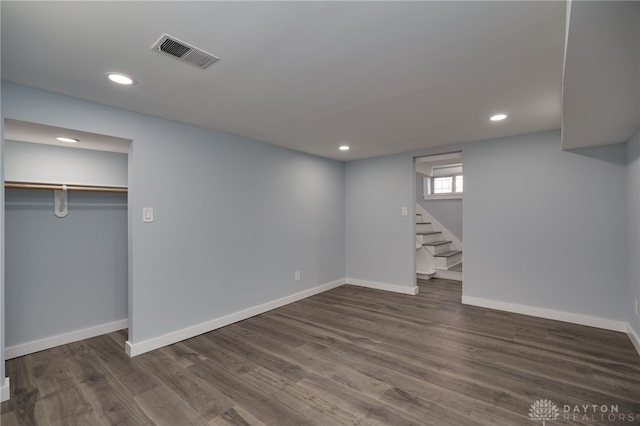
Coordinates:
183 51
174 48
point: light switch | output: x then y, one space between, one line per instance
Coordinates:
147 214
404 211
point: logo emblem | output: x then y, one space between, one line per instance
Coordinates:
543 410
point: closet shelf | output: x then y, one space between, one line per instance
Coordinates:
46 186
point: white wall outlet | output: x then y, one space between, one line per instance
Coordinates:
147 214
405 211
296 276
636 305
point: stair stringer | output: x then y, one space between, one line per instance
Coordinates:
425 261
446 234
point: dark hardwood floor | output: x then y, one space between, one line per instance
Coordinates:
348 356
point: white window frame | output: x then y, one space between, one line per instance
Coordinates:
428 187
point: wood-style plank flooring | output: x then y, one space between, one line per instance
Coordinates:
348 356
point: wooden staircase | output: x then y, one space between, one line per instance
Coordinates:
435 256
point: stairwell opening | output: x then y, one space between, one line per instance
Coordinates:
438 208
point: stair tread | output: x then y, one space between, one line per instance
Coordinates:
428 233
448 253
436 243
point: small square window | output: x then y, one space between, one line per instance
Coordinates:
443 185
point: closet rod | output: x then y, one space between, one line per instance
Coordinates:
18 185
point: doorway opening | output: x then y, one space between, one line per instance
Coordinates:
438 206
66 236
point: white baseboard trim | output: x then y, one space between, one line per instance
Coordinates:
448 275
635 339
63 339
383 286
590 321
5 390
134 349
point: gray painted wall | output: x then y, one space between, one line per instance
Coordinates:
447 212
553 235
2 299
633 228
234 218
379 240
31 162
63 274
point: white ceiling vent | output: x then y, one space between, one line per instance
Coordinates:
183 51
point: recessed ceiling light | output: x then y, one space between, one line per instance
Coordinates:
68 140
119 78
498 117
344 148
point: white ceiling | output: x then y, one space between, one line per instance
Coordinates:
21 131
383 77
425 165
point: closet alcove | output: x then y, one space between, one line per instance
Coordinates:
66 248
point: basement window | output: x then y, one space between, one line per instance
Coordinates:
447 182
445 185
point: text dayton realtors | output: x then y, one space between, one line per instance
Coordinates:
593 412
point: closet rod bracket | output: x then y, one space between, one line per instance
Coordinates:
61 204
